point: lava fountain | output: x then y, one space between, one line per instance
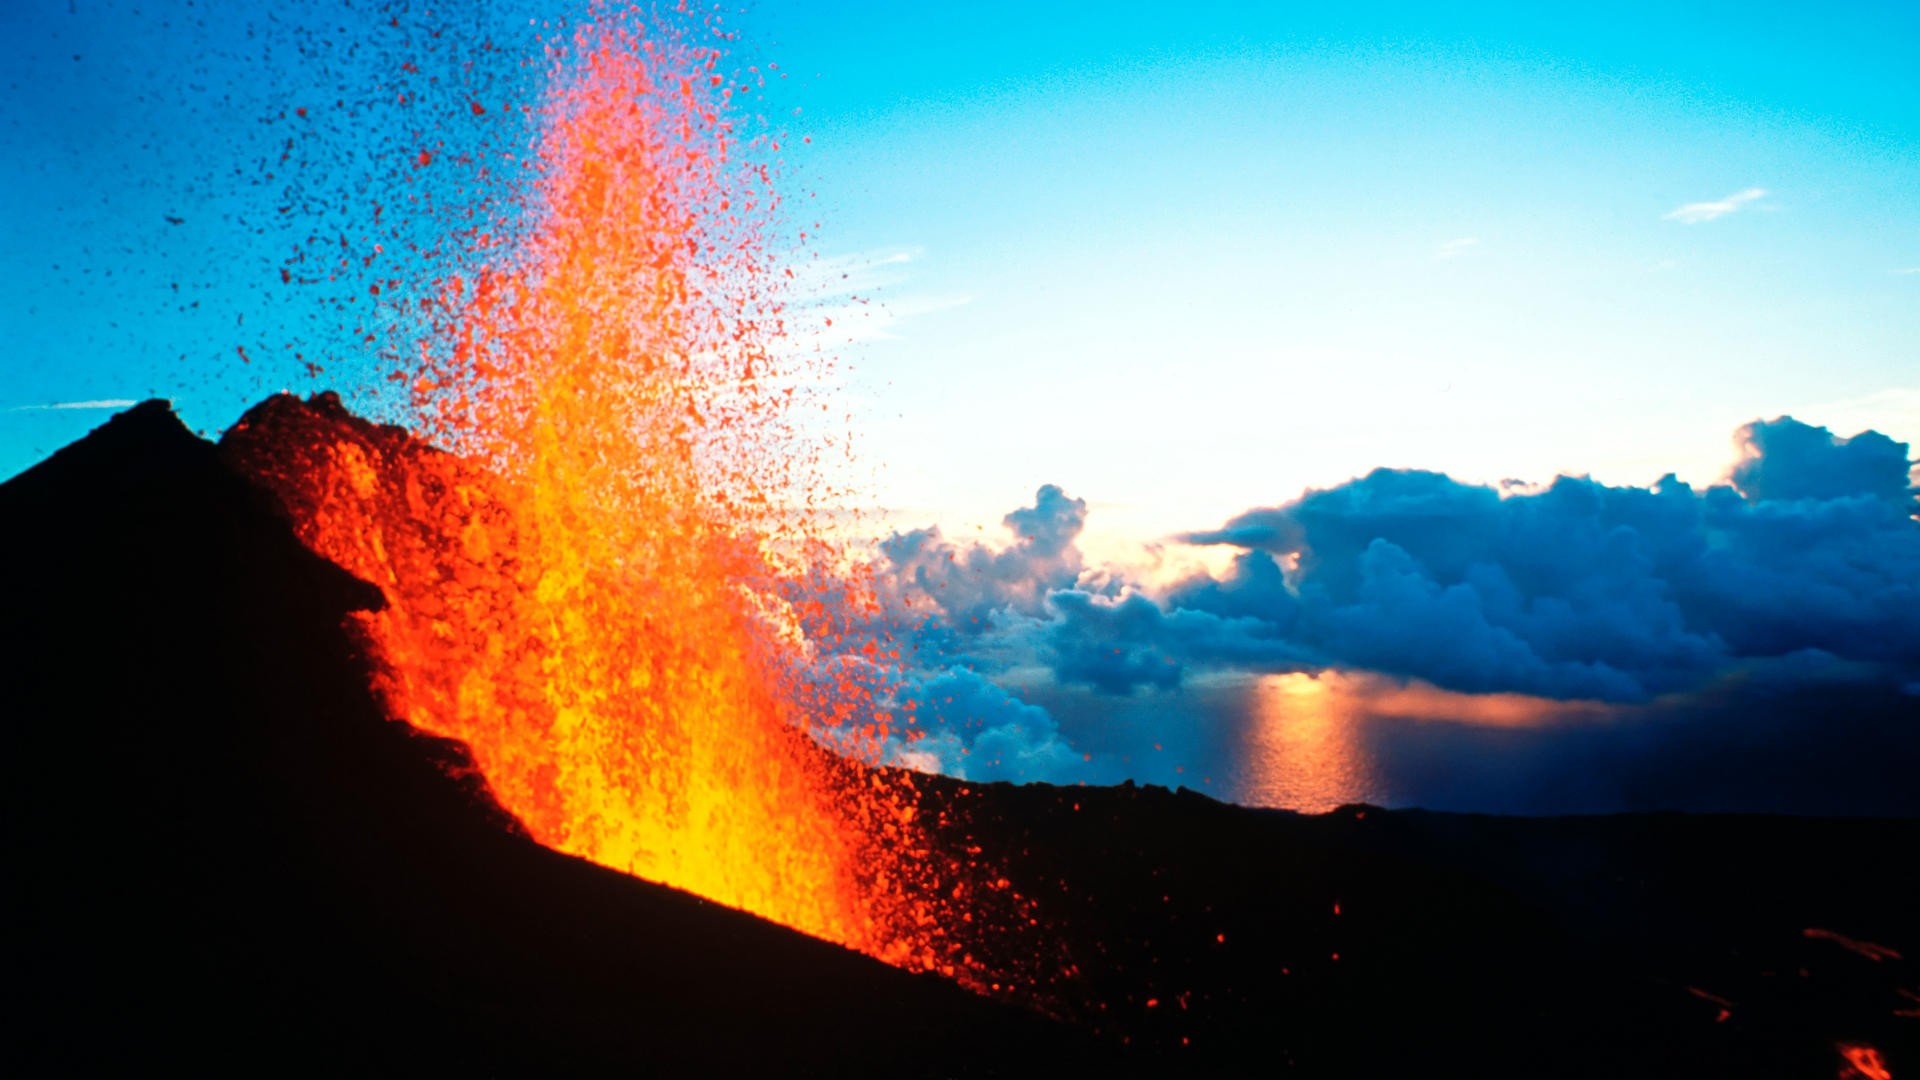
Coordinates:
599 584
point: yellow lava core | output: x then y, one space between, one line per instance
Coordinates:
593 585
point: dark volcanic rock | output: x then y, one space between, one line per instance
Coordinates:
1369 943
219 851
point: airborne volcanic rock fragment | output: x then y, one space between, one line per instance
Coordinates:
219 849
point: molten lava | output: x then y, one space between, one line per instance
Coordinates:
1862 1062
599 585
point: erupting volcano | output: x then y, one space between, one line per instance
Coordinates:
425 745
603 585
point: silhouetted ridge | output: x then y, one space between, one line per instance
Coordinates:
219 849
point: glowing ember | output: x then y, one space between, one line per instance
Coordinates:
1868 949
1862 1063
1726 1007
602 588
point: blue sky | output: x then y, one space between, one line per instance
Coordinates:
1183 261
149 209
1180 259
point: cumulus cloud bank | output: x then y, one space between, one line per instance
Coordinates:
1585 590
966 587
956 613
1803 565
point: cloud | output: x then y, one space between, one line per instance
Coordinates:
826 326
948 615
1574 591
835 300
1639 611
1786 459
1120 644
1697 212
964 588
855 272
966 726
1582 590
1455 248
932 716
103 403
1906 270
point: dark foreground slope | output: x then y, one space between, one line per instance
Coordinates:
218 850
217 847
1369 943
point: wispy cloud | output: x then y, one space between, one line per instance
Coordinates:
1906 270
1697 212
829 326
819 277
842 300
1455 248
103 403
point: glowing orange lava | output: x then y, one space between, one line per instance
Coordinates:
600 585
1860 1062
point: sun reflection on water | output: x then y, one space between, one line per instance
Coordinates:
1303 751
1315 741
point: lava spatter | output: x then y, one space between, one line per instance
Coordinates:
600 580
